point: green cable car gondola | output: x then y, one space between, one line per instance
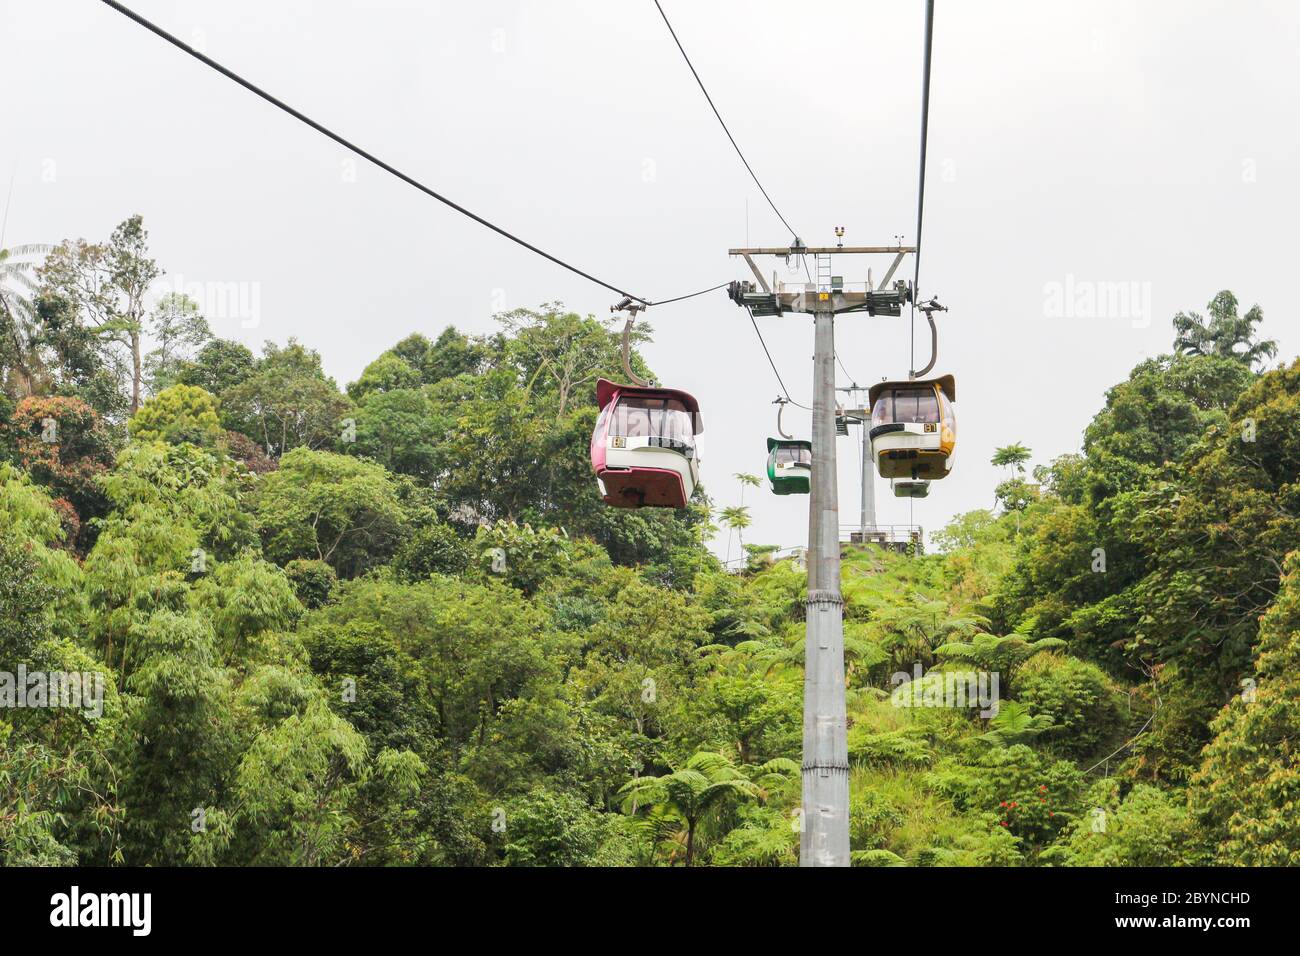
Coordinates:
789 465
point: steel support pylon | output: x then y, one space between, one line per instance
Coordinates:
824 831
867 516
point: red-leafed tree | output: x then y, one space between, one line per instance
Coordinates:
64 445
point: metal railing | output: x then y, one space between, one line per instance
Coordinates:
904 538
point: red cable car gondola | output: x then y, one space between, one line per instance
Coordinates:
643 447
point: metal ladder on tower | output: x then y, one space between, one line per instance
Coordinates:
824 285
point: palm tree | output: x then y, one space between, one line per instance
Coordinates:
18 326
737 519
1011 457
1013 493
746 481
705 785
1226 334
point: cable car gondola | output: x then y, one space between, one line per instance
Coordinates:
789 466
913 429
643 447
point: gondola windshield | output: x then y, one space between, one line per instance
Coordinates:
906 405
911 405
642 416
791 454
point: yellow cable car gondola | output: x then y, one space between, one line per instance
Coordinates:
913 428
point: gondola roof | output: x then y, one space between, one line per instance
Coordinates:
789 443
605 390
947 383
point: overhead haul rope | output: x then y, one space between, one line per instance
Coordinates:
723 124
371 157
691 295
920 219
798 243
920 190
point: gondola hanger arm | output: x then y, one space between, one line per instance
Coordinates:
631 307
780 404
929 308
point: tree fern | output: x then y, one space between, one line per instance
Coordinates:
707 783
1014 724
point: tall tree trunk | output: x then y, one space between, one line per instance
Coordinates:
22 378
136 374
690 842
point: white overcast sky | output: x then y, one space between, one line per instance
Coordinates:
1090 142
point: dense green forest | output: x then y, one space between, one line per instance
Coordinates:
393 623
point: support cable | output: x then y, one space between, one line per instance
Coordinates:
852 381
784 391
1128 743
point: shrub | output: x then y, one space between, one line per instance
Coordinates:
1081 700
313 581
182 413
